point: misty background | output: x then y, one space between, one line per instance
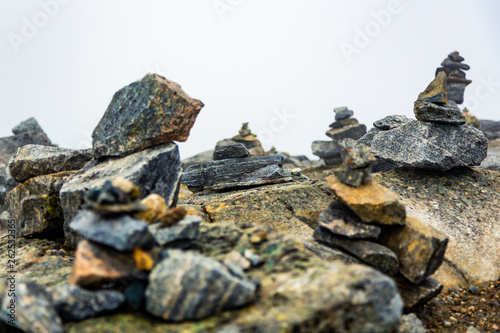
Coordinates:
280 65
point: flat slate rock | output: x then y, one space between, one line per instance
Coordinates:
350 132
236 150
342 113
188 286
416 295
123 233
74 303
344 123
36 160
418 144
146 113
325 149
187 229
441 114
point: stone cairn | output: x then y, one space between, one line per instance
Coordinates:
454 69
343 127
437 140
370 223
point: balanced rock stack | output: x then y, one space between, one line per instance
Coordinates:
456 83
344 127
370 223
437 140
249 140
234 167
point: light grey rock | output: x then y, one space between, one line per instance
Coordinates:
492 160
350 132
325 149
411 324
187 229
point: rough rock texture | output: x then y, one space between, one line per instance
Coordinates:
492 160
123 233
441 114
411 324
325 149
27 132
435 91
200 158
371 202
75 304
189 286
236 150
33 311
155 170
146 113
342 113
390 122
354 177
419 144
352 132
237 172
419 247
35 160
35 206
186 230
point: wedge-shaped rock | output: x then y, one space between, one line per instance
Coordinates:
74 303
189 286
185 231
436 90
341 221
371 253
34 205
95 265
237 172
415 295
351 132
36 160
32 309
146 113
123 233
371 202
419 247
154 170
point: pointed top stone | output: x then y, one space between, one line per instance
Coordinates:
436 90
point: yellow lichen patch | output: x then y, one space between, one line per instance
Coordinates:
215 209
127 186
143 260
156 205
172 216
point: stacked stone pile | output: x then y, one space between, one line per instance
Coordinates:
438 139
371 224
454 69
343 127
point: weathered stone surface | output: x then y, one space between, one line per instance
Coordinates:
140 168
342 113
200 158
415 295
325 149
340 220
35 206
146 113
36 160
356 157
352 132
411 324
390 122
75 304
27 132
354 177
435 91
189 286
371 202
236 150
186 230
95 265
371 253
429 145
344 122
241 172
419 247
156 205
33 311
441 114
123 233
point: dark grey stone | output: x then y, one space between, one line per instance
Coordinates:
27 126
356 156
343 113
352 132
236 150
200 158
36 160
390 122
154 170
344 122
34 311
456 91
430 145
492 160
368 137
354 177
448 63
340 220
123 233
455 56
489 125
442 114
135 294
75 304
325 149
189 286
371 253
187 229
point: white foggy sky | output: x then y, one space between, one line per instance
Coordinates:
263 57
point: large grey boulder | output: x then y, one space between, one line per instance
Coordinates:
36 160
154 170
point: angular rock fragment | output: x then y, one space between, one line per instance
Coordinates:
354 177
353 132
36 160
390 122
371 202
342 113
441 114
419 247
325 149
185 231
146 113
236 150
435 91
415 295
411 324
189 286
344 123
371 253
123 233
74 303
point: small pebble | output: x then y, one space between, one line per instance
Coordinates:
446 324
473 289
296 172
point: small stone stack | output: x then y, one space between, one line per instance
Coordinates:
456 83
371 224
249 140
357 163
344 127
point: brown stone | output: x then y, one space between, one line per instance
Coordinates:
415 295
436 90
371 202
95 265
419 247
156 206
